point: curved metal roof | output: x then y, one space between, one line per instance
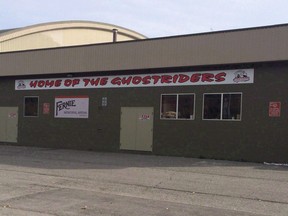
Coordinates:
5 30
93 32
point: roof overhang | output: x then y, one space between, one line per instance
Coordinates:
229 47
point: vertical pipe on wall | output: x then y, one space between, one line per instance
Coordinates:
115 32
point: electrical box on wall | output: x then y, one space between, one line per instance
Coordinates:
104 101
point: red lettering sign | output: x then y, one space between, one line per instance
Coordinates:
243 76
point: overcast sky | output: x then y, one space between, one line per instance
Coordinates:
153 18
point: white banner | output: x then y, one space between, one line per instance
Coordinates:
242 76
71 107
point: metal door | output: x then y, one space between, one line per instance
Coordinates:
136 128
8 124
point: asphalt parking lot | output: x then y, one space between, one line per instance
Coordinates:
42 182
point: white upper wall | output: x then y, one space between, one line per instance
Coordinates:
61 34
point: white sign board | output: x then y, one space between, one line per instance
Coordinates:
241 76
71 107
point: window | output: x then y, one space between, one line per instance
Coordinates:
223 106
31 106
177 106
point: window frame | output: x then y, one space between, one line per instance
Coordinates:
24 107
221 108
177 105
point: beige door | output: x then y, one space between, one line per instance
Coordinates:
136 128
8 124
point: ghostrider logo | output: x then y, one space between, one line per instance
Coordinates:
241 76
21 84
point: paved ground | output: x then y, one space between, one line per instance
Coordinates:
42 182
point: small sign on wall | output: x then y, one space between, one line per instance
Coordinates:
12 115
144 117
274 109
46 108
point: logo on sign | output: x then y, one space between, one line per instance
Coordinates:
60 105
241 76
21 84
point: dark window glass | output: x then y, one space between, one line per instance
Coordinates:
212 106
168 108
177 106
222 106
185 106
31 106
231 106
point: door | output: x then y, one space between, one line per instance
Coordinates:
8 124
136 128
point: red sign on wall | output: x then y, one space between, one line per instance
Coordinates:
144 117
274 109
46 108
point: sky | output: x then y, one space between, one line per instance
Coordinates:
152 18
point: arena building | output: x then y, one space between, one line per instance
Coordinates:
220 95
61 34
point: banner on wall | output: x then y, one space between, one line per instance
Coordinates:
71 107
242 76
